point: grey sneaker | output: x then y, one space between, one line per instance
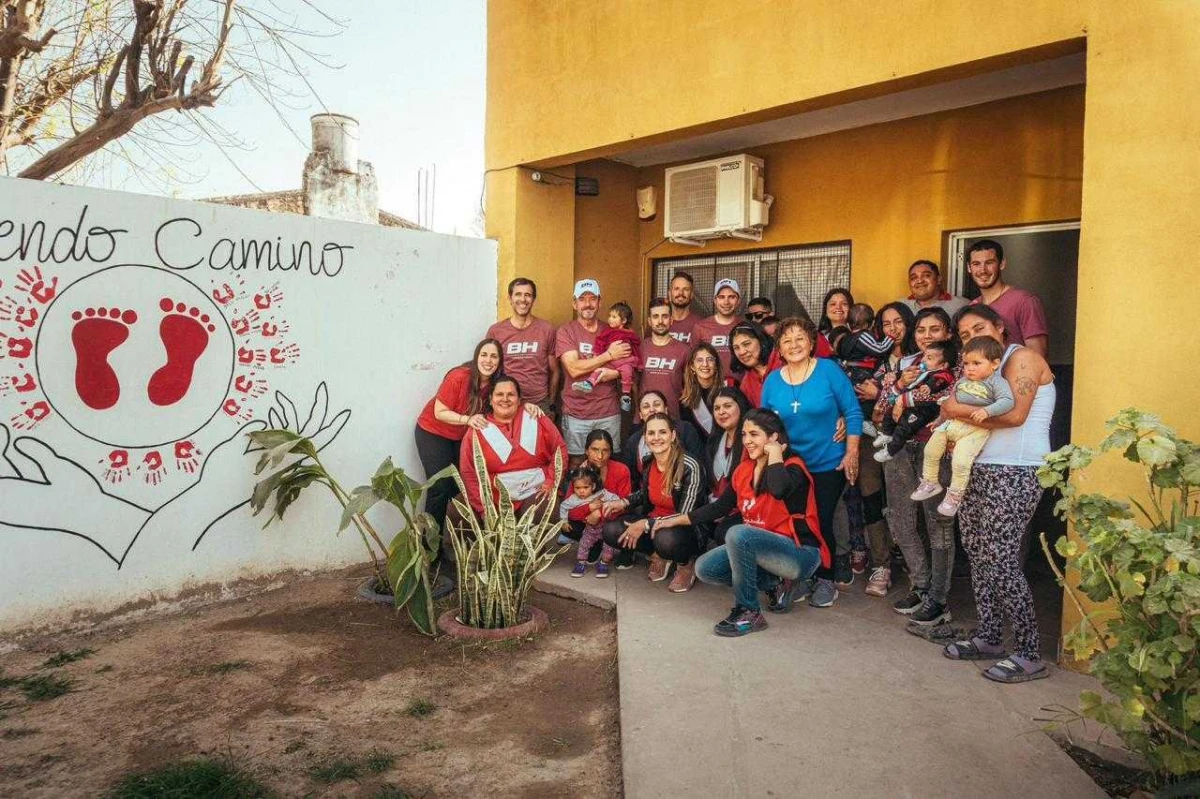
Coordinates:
908 604
803 589
930 613
824 594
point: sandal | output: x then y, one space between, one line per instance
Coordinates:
969 650
1009 671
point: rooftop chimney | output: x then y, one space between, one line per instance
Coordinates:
336 184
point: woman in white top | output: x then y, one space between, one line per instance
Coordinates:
999 505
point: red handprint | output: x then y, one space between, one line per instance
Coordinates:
19 347
117 466
21 385
245 355
31 416
249 386
268 297
12 312
281 356
152 465
235 410
271 329
242 325
33 284
186 456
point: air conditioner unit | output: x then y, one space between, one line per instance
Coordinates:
716 199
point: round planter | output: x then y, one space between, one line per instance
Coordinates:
367 591
450 625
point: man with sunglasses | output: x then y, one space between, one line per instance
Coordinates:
759 309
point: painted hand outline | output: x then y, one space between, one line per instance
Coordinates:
41 490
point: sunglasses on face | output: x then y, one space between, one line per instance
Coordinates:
757 316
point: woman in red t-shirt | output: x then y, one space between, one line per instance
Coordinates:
778 546
673 482
460 403
754 357
614 477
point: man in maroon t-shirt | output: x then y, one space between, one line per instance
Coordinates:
727 295
528 346
1024 319
663 357
583 412
682 319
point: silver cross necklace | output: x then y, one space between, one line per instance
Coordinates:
812 365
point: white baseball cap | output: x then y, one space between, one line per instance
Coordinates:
723 283
587 286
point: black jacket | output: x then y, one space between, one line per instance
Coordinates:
689 439
690 493
710 452
781 481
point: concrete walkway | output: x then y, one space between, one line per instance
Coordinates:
833 702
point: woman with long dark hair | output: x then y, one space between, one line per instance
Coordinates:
835 309
635 450
754 357
723 453
460 404
702 378
779 544
673 482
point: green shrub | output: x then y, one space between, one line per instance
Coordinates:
214 779
1143 562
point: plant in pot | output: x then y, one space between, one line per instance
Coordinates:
498 558
1144 566
402 565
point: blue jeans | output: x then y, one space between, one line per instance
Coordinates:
752 557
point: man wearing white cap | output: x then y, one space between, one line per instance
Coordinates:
583 412
727 295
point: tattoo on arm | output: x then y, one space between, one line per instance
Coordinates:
1026 386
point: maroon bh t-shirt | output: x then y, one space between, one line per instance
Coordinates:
525 355
662 370
716 334
681 329
603 400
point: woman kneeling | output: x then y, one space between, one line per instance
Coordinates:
779 545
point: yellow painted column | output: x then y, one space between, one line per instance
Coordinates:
1139 277
534 224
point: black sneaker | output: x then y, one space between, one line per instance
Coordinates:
908 604
930 613
624 559
843 572
781 598
740 621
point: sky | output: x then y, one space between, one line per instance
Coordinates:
412 73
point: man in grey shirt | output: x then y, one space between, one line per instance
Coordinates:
925 287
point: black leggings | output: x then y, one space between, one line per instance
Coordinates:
712 534
828 487
436 453
678 544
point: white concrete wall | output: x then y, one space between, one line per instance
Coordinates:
124 468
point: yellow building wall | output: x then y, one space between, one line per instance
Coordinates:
892 189
606 235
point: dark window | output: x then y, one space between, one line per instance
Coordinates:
795 278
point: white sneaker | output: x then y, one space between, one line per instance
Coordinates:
882 456
925 490
881 441
880 582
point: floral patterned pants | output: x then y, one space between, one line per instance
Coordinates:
995 511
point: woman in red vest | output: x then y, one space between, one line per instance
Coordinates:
779 543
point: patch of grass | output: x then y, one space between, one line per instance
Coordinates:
65 657
220 669
44 687
378 762
18 732
212 779
335 769
390 792
420 708
294 746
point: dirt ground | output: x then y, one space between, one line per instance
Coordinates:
287 681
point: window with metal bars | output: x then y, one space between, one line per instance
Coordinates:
794 278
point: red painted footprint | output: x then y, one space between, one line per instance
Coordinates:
97 332
184 332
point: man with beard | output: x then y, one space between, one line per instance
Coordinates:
682 318
1024 319
663 357
528 346
925 289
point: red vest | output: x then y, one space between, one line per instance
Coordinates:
768 513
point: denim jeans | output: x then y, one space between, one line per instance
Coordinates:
901 475
752 557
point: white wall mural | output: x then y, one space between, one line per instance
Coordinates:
142 338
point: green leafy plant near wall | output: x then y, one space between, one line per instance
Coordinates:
499 558
1143 561
402 565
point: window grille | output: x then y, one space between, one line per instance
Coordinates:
794 278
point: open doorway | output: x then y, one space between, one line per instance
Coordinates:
1043 259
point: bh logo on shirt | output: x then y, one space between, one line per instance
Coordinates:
720 341
679 335
667 364
521 347
585 348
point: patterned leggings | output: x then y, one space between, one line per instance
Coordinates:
996 509
591 534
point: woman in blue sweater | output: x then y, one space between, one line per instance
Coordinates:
810 394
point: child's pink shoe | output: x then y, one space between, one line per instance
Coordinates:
949 505
925 490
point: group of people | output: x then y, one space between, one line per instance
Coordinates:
756 440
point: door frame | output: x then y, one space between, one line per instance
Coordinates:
956 246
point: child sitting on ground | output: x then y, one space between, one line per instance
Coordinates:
587 490
860 353
914 406
620 316
981 385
